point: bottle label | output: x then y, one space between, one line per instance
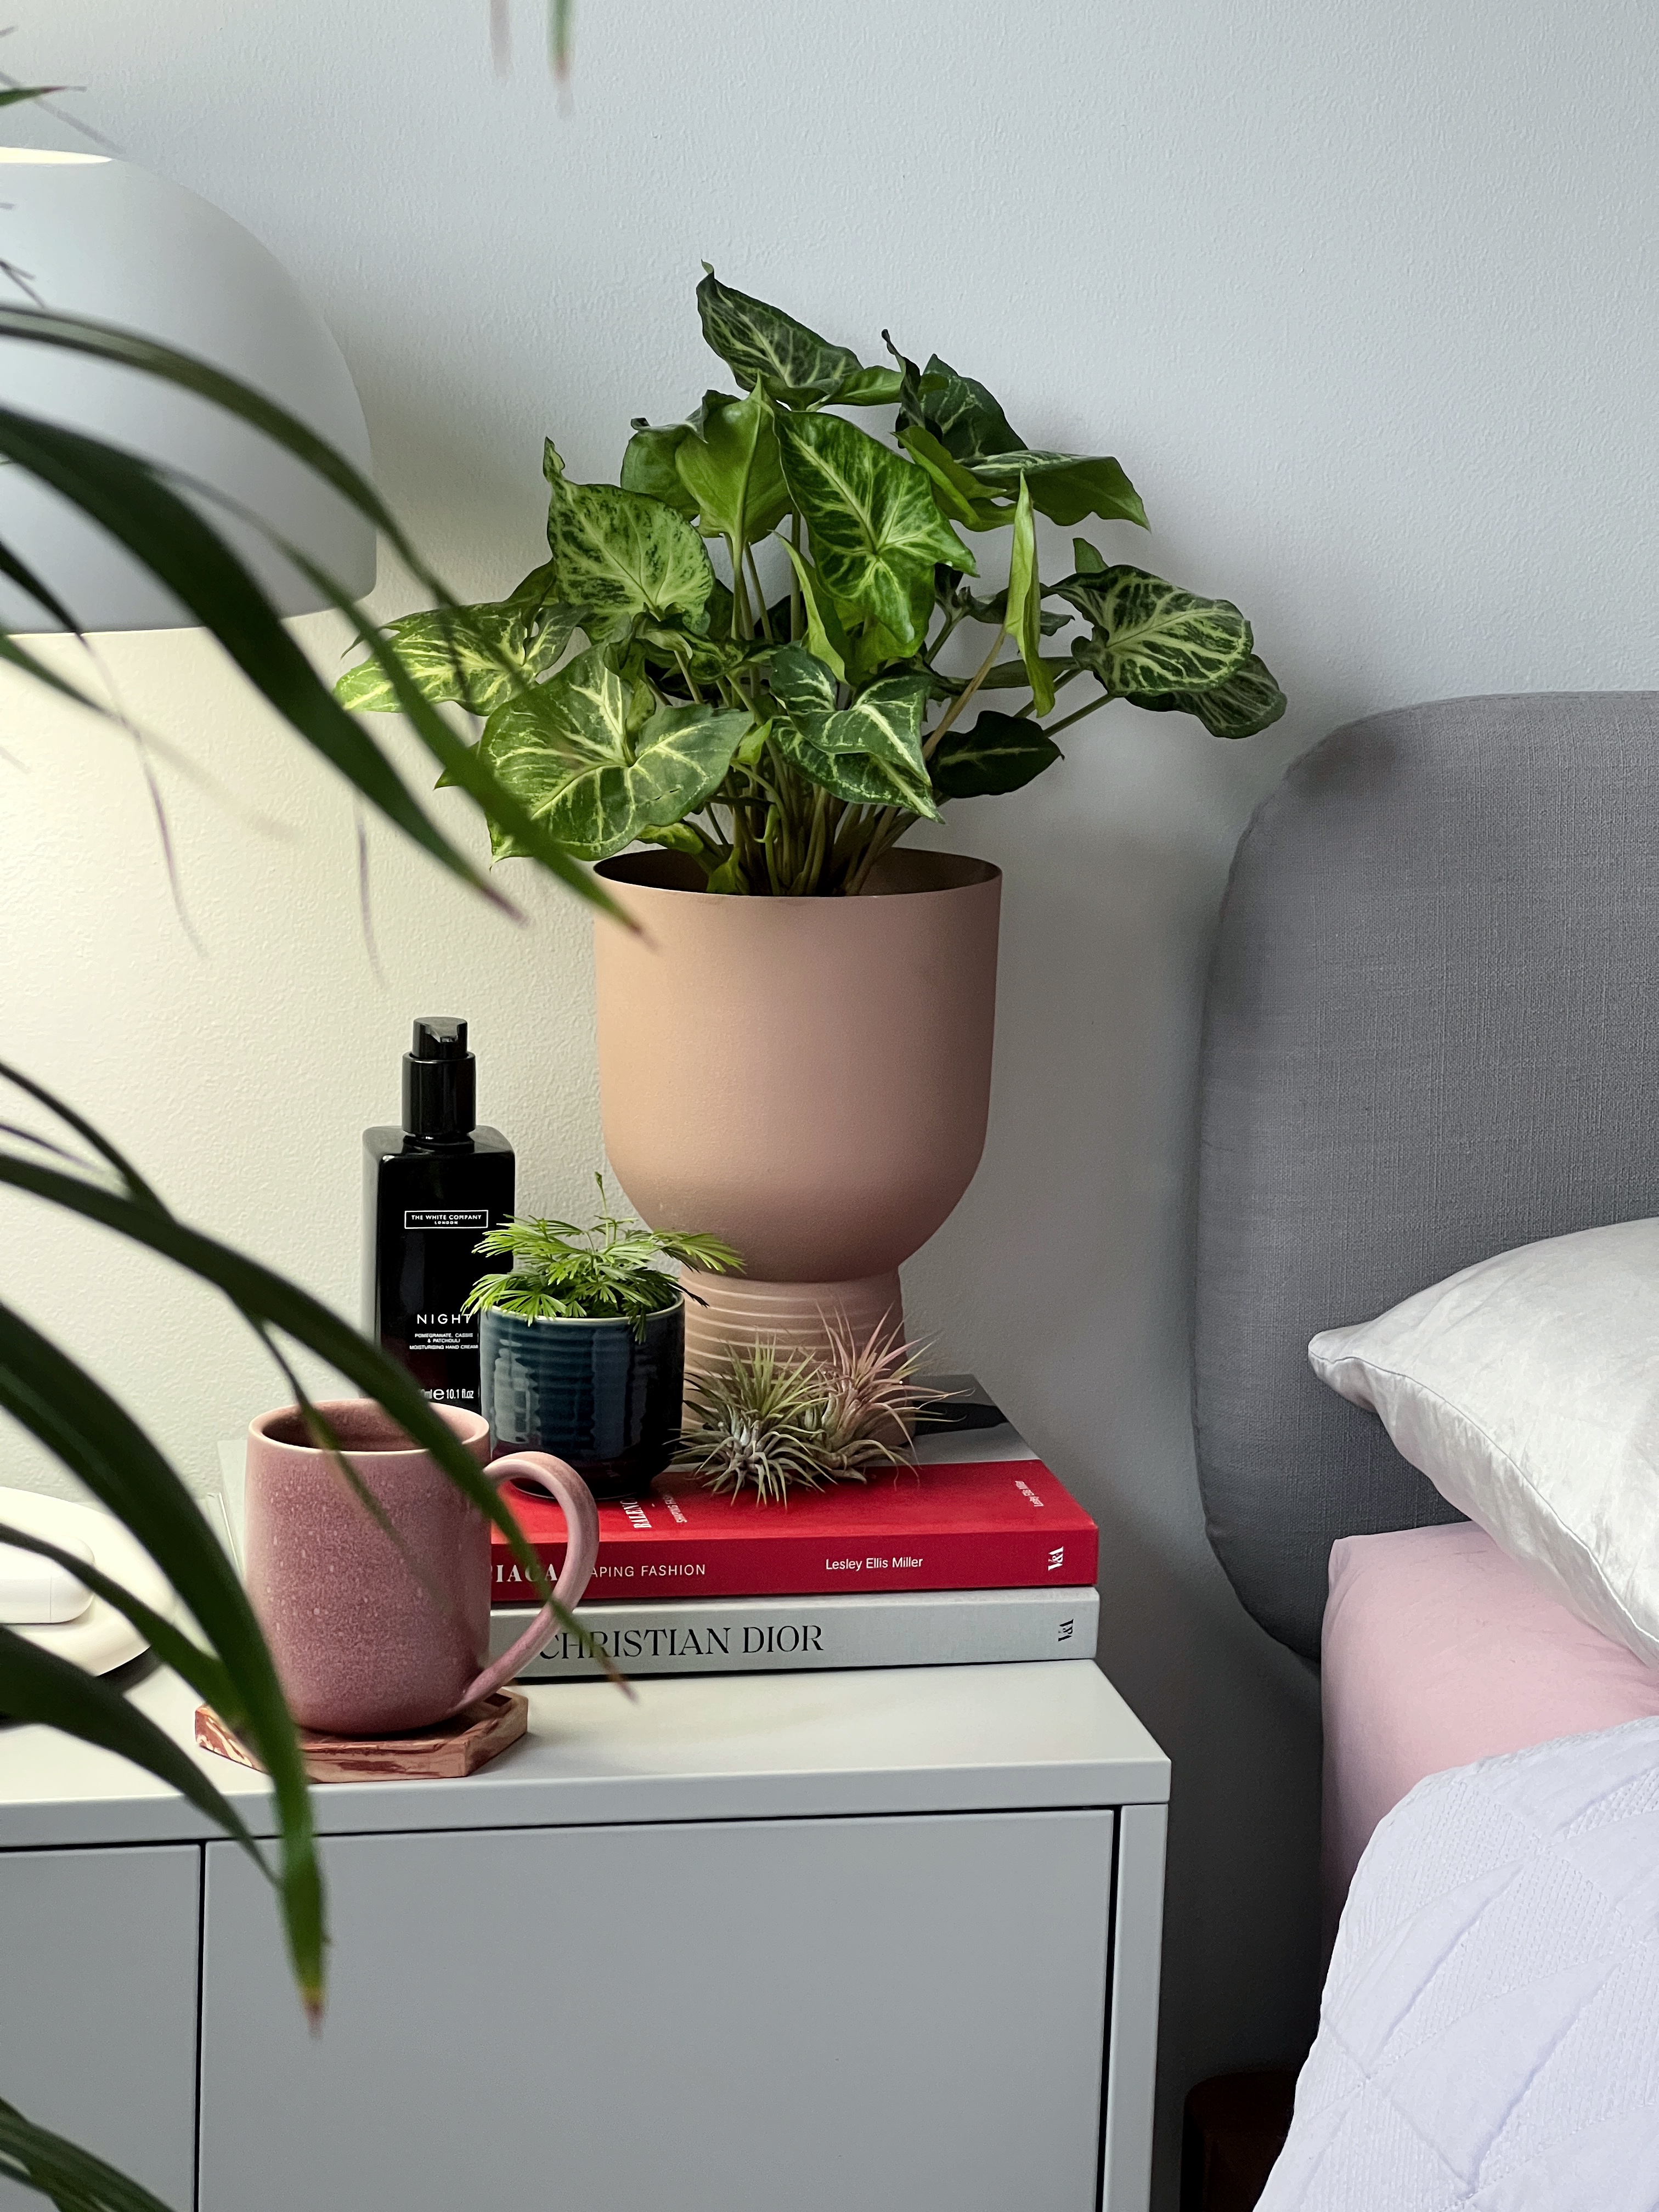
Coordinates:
447 1216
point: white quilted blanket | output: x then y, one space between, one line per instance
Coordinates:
1489 2036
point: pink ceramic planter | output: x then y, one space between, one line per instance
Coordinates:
808 1078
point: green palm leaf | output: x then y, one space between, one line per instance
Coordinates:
94 1436
75 2180
266 1298
169 1643
38 1686
127 497
147 357
133 502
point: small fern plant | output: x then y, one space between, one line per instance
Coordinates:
769 1422
615 1270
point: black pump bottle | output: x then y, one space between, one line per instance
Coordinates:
430 1190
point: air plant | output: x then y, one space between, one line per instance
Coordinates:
768 1421
614 1271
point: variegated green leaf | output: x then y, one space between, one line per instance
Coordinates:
869 753
675 837
824 635
576 721
648 464
617 554
1150 637
1240 705
968 424
871 649
967 421
1063 487
869 387
960 497
727 464
476 656
999 753
854 778
706 659
570 754
876 531
763 346
994 609
802 684
1025 603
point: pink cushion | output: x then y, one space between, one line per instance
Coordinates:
1439 1650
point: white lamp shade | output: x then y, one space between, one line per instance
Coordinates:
103 239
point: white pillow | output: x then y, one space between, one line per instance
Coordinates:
1526 1389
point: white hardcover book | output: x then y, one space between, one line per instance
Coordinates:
755 1635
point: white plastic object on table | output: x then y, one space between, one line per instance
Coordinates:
98 1638
35 1590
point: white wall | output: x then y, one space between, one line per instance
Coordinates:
1365 298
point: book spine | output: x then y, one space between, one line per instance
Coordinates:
808 1566
762 1634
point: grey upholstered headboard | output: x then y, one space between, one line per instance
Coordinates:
1432 1032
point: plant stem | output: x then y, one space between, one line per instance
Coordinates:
931 652
1102 699
890 825
1066 675
806 881
769 847
847 839
760 594
742 837
797 612
963 697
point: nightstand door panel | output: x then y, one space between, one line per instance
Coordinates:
98 1959
724 2017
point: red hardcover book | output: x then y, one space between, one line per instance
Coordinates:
948 1524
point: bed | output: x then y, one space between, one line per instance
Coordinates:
1431 1034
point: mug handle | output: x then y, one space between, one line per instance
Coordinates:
582 1549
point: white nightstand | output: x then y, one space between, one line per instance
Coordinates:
884 1941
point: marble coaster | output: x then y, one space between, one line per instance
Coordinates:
445 1752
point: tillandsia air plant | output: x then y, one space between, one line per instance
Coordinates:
769 1422
784 722
614 1271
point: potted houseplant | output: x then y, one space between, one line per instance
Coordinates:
582 1343
796 1046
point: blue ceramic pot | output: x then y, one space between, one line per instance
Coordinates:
589 1392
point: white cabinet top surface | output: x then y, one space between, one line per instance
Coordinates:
730 1747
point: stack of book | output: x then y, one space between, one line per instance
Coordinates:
975 1554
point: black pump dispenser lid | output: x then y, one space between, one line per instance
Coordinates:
441 1080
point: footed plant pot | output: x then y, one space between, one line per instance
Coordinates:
589 1392
807 1077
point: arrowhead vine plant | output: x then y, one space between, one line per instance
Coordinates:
783 722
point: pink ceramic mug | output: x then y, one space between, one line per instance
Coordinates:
372 1636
